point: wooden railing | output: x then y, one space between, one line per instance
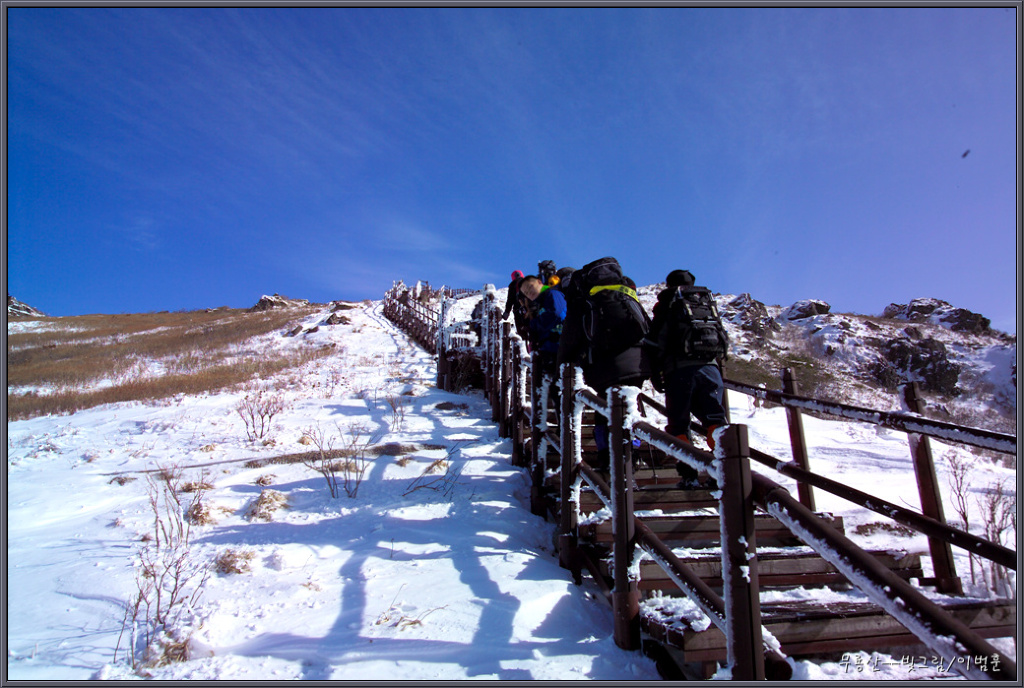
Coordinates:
519 403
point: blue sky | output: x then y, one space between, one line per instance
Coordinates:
168 158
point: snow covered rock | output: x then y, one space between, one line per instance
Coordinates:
925 361
277 301
751 316
806 309
938 312
17 309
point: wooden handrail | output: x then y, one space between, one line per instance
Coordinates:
905 422
750 656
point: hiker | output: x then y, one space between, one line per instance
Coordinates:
687 344
515 304
560 280
604 327
545 270
546 323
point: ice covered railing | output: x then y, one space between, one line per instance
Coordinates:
417 310
520 404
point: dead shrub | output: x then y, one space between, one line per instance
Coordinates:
893 528
200 513
121 480
451 406
169 581
234 561
196 486
257 412
346 474
265 505
436 467
264 480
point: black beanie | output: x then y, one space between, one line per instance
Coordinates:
680 278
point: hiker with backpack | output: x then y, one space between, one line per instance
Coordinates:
515 303
687 342
545 326
603 331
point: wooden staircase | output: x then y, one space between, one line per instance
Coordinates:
834 618
782 596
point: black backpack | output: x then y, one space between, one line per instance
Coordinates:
613 318
692 329
545 269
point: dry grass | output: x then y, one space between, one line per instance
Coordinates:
266 504
234 561
200 513
202 351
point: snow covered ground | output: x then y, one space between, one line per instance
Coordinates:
435 570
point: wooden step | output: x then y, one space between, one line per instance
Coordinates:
703 531
666 498
806 627
797 567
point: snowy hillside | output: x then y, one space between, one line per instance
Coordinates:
966 370
434 570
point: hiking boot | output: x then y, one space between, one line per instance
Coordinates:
711 436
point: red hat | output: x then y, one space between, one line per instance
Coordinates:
517 274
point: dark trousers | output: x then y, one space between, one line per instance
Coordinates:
600 422
696 389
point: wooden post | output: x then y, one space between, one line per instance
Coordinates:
570 440
506 379
739 559
442 350
625 595
494 355
797 439
538 460
946 579
518 373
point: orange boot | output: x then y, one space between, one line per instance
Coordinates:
711 436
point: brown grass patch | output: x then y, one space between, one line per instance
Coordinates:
893 528
203 351
266 504
234 561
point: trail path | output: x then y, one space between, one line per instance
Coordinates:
423 575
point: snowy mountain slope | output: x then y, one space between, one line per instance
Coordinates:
432 571
17 309
967 371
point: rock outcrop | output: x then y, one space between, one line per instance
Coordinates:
806 309
751 316
939 312
17 309
277 301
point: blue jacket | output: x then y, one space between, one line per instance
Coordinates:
546 325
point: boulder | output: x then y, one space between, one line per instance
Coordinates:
806 309
277 301
751 315
939 312
17 309
335 319
925 361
